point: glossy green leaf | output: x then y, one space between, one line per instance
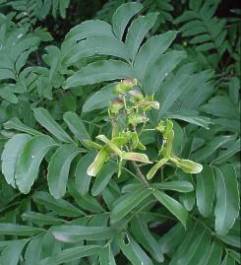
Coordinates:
77 233
12 253
19 230
205 191
71 254
33 251
98 45
122 16
159 70
177 185
97 72
58 169
100 99
9 158
143 235
151 50
29 161
137 32
227 199
61 207
103 178
172 205
106 256
127 203
134 253
82 179
47 121
76 126
41 219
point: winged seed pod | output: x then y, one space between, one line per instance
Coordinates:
186 165
95 167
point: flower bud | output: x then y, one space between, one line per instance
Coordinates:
116 106
136 94
125 85
135 119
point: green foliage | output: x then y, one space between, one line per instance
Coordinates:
126 127
29 11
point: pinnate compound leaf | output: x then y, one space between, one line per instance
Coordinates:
123 15
137 32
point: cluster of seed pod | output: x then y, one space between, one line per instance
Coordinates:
126 112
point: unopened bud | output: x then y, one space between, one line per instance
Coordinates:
136 94
135 119
116 106
125 85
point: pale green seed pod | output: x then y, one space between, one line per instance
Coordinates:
98 162
188 166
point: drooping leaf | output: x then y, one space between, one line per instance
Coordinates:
205 191
82 179
172 205
10 156
58 169
29 160
103 178
228 200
